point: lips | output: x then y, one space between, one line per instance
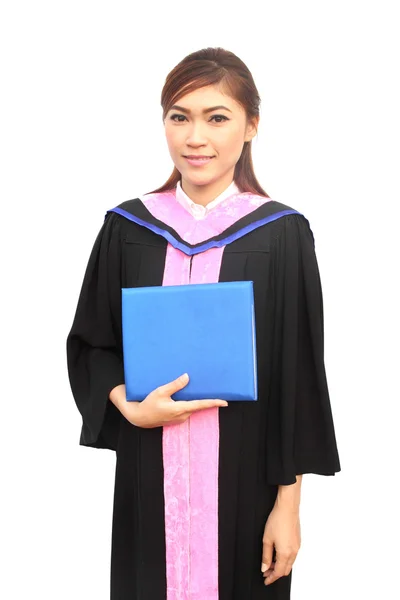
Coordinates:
199 161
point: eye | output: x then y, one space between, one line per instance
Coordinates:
220 117
172 117
223 117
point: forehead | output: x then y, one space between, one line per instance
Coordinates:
204 97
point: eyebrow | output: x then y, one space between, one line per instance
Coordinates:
206 110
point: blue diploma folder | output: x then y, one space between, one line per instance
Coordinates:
205 330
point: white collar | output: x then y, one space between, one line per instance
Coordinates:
197 210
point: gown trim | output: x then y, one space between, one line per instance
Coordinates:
140 215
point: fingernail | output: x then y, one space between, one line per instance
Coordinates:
263 568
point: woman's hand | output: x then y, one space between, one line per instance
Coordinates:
159 409
282 530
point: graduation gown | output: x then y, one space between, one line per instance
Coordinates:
191 500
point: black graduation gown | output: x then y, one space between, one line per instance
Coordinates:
263 444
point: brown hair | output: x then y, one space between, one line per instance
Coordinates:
215 66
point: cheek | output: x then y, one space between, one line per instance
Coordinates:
173 140
231 145
231 138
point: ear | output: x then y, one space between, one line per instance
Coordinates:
251 129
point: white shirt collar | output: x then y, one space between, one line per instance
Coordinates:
197 210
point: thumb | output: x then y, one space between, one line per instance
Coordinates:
174 386
268 548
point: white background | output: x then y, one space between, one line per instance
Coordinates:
81 131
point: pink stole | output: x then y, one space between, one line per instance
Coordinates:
191 449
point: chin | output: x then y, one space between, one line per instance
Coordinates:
200 180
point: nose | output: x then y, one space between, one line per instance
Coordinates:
196 135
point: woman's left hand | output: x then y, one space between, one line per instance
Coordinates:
282 530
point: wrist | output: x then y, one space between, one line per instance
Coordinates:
288 496
288 505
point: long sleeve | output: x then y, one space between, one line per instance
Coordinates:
94 343
300 430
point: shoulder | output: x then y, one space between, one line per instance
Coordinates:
131 222
284 215
116 222
286 221
128 211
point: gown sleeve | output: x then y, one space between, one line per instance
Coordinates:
300 429
94 346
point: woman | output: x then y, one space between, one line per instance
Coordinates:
206 502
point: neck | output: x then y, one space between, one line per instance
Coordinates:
204 194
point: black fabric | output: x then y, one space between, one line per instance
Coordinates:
94 344
263 444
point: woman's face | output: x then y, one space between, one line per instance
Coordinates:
191 128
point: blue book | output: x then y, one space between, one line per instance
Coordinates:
205 330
